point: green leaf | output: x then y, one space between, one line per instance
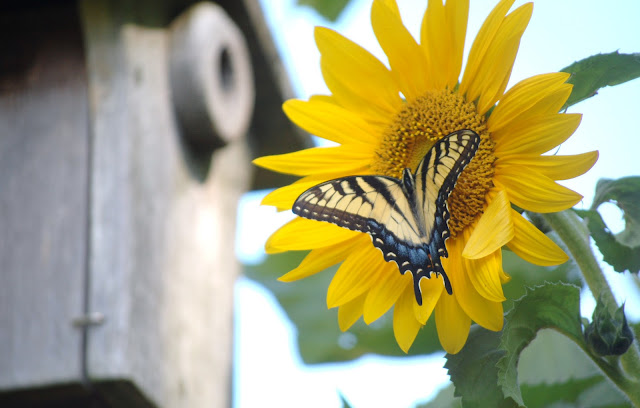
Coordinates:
329 9
625 193
595 72
474 373
543 395
553 358
619 256
553 305
602 395
554 371
319 337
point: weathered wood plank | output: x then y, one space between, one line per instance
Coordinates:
43 197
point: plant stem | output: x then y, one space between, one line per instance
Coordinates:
575 236
628 386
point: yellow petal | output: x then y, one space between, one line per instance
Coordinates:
392 5
530 95
368 110
350 312
431 292
532 191
530 244
442 37
480 46
493 230
405 325
553 166
484 274
357 79
284 197
385 292
495 69
320 259
330 121
504 277
301 234
476 305
453 324
536 135
317 160
356 275
408 62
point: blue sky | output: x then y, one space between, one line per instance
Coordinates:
268 370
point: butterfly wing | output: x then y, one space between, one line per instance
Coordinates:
407 220
376 205
435 178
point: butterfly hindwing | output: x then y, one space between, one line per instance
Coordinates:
407 219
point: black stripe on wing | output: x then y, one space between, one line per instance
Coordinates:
376 205
350 202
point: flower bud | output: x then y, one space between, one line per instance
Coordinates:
606 334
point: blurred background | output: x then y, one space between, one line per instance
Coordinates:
131 250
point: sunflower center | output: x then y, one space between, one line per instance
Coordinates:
417 127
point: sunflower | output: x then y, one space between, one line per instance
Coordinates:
385 119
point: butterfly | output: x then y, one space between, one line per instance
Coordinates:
408 218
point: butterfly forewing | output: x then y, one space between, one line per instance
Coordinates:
377 205
436 176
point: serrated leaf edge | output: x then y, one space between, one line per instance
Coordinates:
504 362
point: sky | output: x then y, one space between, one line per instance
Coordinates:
268 370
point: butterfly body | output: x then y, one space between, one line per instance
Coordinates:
406 218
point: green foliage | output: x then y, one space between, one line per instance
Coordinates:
622 251
620 257
329 9
552 371
553 368
543 395
485 371
474 373
608 335
625 193
553 359
553 305
595 72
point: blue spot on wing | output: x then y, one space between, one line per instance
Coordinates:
419 258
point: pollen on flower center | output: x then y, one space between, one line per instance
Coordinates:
414 131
